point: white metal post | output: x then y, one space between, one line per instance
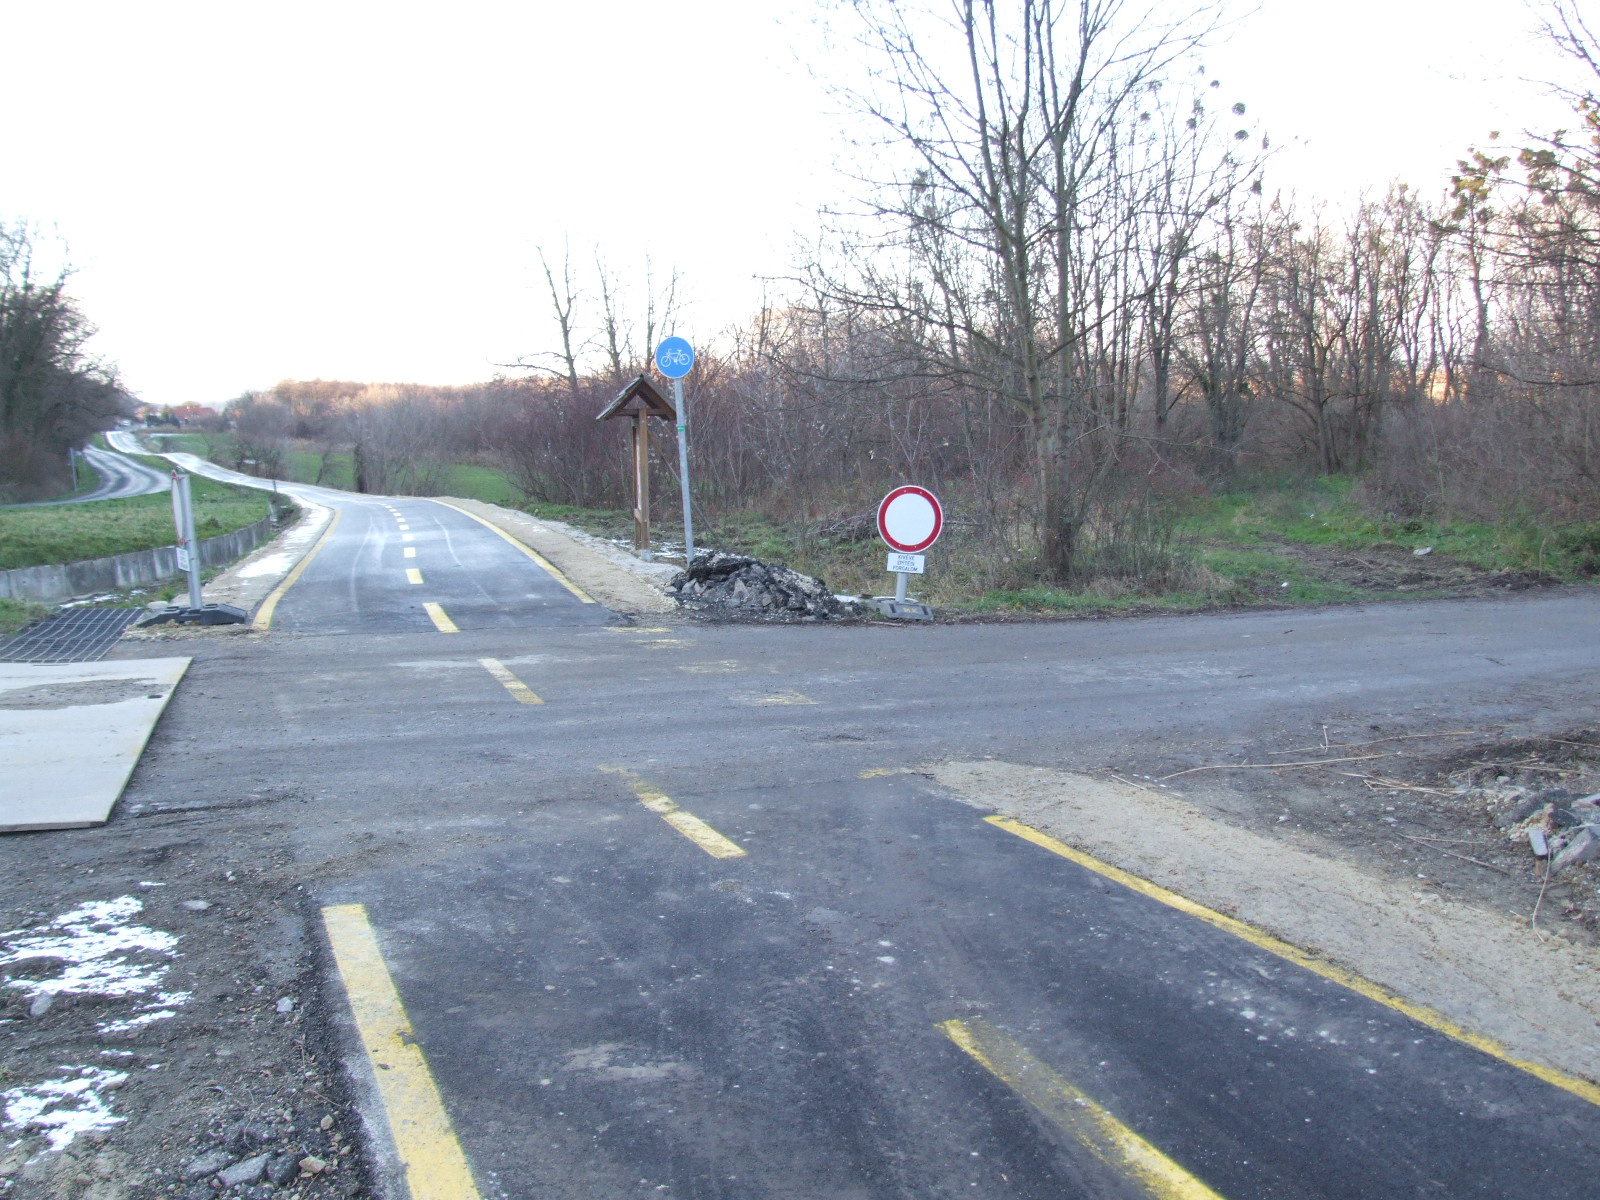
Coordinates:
899 585
683 471
186 500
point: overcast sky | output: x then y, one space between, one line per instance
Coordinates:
358 191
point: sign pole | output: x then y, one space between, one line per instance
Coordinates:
682 406
188 548
674 359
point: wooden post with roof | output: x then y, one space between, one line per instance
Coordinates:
640 401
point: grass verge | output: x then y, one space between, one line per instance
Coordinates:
38 536
14 614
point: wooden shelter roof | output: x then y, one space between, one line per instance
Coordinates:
640 396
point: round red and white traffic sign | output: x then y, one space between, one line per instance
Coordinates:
910 519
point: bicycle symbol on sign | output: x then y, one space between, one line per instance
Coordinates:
674 357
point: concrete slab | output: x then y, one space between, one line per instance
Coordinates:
71 734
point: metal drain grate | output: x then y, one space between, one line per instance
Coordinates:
81 635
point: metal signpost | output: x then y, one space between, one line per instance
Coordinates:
188 547
198 612
910 520
674 358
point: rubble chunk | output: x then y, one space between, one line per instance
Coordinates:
737 584
208 1163
1582 847
249 1171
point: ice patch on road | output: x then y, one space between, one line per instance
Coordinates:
268 564
99 951
61 1109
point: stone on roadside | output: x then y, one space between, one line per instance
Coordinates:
1530 804
282 1168
312 1165
197 905
208 1163
41 1005
244 1136
285 1004
249 1171
1582 847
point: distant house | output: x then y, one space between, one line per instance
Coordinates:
192 414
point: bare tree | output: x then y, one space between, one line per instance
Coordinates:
53 393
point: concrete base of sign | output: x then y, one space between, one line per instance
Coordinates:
71 734
208 614
901 610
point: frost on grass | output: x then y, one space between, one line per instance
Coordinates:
61 1109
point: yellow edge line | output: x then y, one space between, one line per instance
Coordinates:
686 823
511 683
263 618
435 1166
441 622
1430 1017
530 552
1074 1112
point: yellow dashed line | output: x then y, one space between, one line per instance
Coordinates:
529 551
781 698
512 684
405 537
440 622
410 552
435 1166
1432 1018
263 619
413 575
691 826
1072 1111
636 629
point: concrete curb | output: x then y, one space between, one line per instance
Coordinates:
246 584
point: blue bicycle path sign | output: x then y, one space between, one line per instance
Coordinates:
674 357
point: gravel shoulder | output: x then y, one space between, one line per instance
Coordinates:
165 1021
1536 994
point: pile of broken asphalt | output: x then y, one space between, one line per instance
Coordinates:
735 585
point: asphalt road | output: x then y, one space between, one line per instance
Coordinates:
120 476
387 559
664 926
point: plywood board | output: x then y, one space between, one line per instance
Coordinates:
71 734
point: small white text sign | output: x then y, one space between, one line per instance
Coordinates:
907 564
